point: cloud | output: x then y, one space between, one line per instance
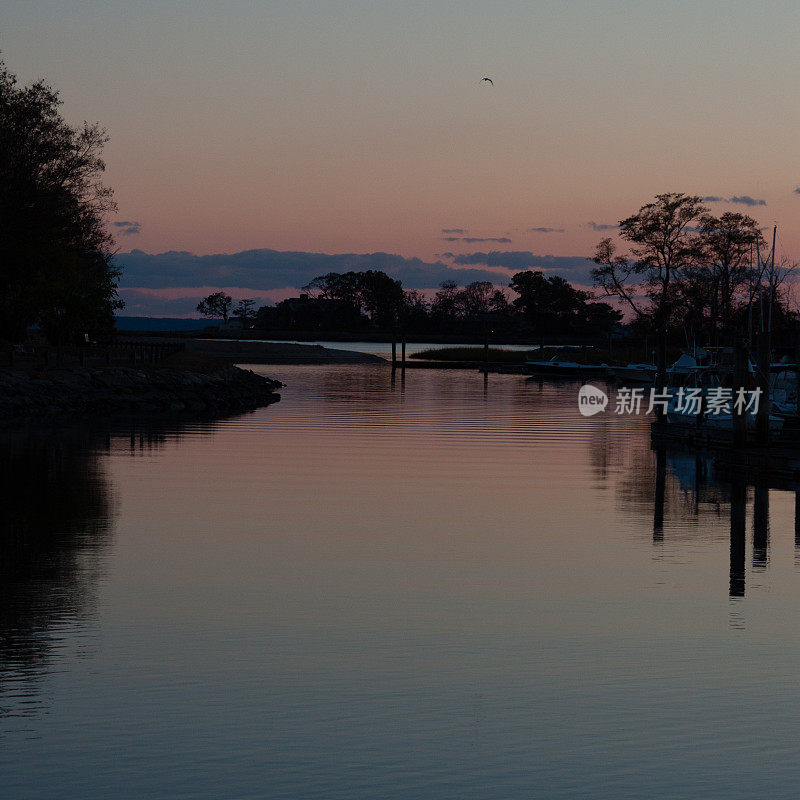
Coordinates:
743 199
571 267
596 226
273 269
545 230
128 228
746 200
455 230
474 239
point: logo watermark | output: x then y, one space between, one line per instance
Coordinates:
591 400
713 402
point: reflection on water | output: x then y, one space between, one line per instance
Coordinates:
702 496
55 523
55 527
420 585
738 529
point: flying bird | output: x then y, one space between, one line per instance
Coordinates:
488 79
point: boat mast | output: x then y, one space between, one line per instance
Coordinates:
750 304
772 278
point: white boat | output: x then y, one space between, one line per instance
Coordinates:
683 412
722 421
783 390
646 373
559 365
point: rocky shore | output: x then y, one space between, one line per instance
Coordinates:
109 391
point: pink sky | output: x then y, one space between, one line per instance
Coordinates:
362 127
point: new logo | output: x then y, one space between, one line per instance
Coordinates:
591 400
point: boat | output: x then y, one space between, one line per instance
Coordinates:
634 373
560 366
783 389
687 364
682 413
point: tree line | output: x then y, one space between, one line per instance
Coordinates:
372 301
687 275
686 272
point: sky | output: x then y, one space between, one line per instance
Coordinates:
356 127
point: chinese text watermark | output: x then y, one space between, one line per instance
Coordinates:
713 401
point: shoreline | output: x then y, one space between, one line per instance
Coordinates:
28 395
246 351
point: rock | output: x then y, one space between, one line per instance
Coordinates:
112 391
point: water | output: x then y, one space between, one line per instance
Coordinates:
385 348
426 589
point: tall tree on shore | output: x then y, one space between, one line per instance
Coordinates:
728 244
246 311
55 253
664 248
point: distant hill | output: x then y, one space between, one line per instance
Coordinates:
164 324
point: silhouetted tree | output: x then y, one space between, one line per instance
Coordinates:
216 305
372 292
381 297
444 307
664 249
245 311
474 301
415 310
727 247
551 304
664 246
308 313
55 253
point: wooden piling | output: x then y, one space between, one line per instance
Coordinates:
762 417
797 371
739 382
660 494
737 540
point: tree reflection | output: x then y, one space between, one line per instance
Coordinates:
56 519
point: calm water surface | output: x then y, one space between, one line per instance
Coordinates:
419 589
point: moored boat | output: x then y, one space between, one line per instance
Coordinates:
562 367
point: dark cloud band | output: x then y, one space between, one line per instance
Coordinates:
743 199
274 269
128 228
598 226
